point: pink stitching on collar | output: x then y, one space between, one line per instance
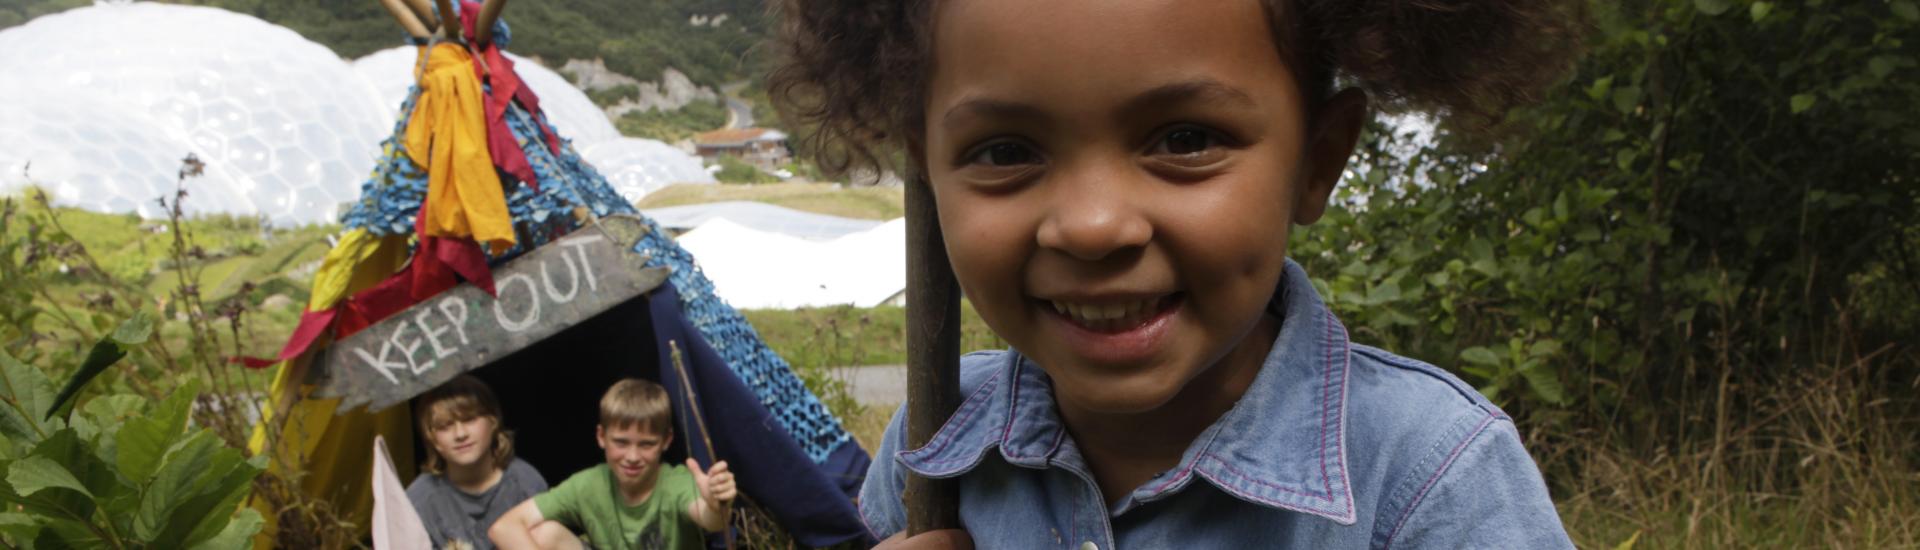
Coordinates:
1422 493
941 437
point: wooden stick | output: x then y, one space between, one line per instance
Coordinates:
933 356
404 15
423 12
693 404
450 22
483 29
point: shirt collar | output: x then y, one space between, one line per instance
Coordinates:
1282 446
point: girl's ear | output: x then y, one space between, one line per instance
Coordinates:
1330 141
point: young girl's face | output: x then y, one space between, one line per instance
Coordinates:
462 441
1115 181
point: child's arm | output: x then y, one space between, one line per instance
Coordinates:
716 495
514 529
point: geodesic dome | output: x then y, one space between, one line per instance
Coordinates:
287 129
101 156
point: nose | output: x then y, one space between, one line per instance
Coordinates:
1090 214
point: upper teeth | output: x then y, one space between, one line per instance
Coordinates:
1103 315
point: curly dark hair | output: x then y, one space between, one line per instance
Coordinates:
852 75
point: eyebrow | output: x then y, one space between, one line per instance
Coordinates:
1199 89
1195 90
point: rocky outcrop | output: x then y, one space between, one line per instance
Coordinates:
673 91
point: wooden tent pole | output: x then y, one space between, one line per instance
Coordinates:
405 16
483 29
423 12
449 22
933 356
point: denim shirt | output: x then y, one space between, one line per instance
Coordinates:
1335 445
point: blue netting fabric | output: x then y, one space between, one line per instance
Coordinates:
797 409
390 199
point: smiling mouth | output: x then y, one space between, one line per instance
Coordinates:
1114 317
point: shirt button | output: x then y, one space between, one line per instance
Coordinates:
1089 545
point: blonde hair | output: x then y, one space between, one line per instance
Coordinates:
459 399
635 401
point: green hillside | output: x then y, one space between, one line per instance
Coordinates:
638 39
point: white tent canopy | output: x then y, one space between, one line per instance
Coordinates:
756 269
761 216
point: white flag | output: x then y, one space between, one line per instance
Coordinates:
396 525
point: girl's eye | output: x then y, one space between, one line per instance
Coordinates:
1005 154
1187 142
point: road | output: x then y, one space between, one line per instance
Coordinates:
882 386
739 114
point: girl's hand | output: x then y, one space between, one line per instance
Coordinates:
955 539
716 484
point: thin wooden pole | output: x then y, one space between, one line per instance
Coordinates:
483 28
424 12
933 356
404 15
449 22
693 404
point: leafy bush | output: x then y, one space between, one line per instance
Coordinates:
1714 186
121 472
734 170
675 125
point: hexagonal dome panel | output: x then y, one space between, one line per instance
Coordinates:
120 92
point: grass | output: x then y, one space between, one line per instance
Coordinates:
843 336
1825 460
867 203
239 252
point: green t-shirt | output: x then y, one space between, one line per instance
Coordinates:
589 502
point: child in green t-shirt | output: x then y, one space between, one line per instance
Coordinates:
633 501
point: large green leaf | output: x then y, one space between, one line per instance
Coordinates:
188 469
105 353
24 392
237 533
106 415
1545 382
1481 356
143 441
32 474
225 484
97 479
18 526
60 533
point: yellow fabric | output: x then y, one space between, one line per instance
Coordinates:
360 261
336 453
448 136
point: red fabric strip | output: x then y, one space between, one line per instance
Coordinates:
504 86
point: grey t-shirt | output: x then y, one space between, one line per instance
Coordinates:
455 515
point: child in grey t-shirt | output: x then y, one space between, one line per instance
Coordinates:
470 476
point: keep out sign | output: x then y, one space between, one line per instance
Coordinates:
540 294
